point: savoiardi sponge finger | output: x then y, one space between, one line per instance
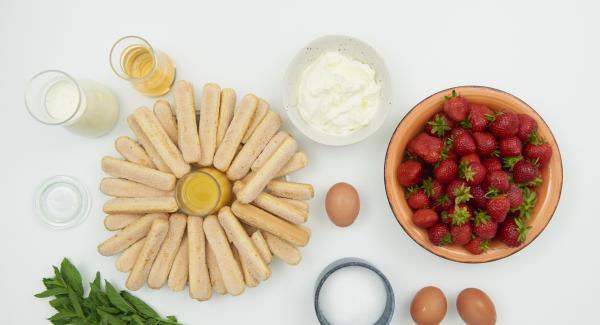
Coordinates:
138 173
129 235
139 274
133 152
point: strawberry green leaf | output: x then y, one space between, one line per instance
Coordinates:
510 162
462 194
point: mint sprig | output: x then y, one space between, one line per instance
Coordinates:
108 306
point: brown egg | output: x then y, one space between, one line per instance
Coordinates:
342 204
475 307
429 306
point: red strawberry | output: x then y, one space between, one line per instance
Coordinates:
442 204
505 125
456 107
485 143
524 172
513 232
481 109
497 207
409 173
439 125
425 218
427 147
439 234
526 125
498 180
477 246
433 188
464 144
472 157
458 131
483 226
461 234
473 173
418 200
492 164
479 199
459 214
446 171
510 146
515 196
538 152
458 189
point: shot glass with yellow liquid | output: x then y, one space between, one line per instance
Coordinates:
149 70
203 192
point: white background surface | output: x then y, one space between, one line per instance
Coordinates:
545 52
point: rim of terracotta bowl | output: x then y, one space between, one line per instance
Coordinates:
509 251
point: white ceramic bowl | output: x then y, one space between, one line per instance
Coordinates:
355 49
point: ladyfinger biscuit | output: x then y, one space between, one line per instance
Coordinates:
265 221
127 259
139 205
164 113
133 152
261 111
166 256
160 140
276 206
291 190
297 162
226 110
143 140
301 205
216 278
235 132
209 121
143 263
269 149
266 173
261 245
257 142
119 187
178 276
129 235
257 267
137 173
282 249
114 222
230 270
185 110
249 279
199 279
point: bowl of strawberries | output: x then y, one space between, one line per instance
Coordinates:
473 174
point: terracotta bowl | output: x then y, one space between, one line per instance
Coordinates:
548 194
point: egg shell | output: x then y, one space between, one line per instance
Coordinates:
342 204
429 306
475 307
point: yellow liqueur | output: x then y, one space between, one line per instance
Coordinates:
149 70
203 192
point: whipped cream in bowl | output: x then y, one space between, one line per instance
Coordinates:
337 90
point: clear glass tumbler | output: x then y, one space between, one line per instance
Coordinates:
83 107
149 70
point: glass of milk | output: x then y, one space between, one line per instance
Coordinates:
83 107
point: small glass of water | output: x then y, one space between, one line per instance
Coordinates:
84 107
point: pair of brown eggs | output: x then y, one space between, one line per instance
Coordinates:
474 306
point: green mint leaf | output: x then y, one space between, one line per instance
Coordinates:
139 305
74 298
116 299
71 276
61 303
110 319
64 316
51 292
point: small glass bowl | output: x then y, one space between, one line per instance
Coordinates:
62 202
